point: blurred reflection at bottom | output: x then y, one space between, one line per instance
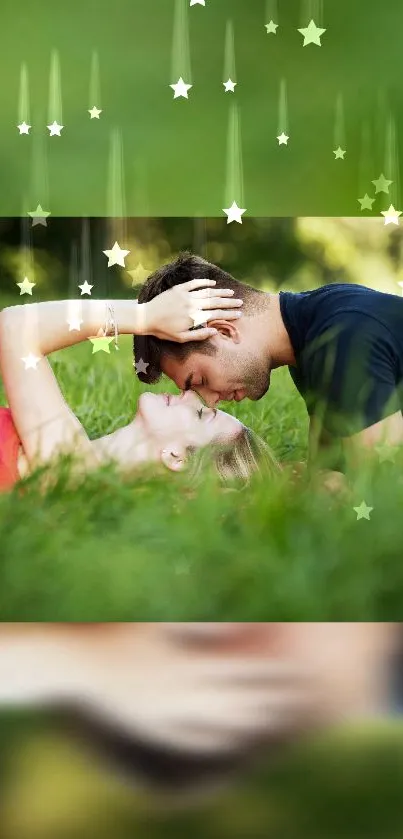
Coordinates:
221 730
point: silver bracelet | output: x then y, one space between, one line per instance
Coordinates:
111 326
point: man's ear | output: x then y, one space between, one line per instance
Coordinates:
173 458
228 329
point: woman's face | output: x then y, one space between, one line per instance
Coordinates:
178 421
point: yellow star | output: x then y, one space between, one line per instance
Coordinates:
138 274
391 215
116 256
283 139
271 27
94 112
363 511
26 287
39 216
100 344
312 34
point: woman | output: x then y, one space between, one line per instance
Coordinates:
39 425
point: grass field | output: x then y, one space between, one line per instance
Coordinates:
150 549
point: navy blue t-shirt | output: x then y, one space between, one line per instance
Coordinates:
348 346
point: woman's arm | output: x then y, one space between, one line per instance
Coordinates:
45 423
57 324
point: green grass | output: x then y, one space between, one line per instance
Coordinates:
149 549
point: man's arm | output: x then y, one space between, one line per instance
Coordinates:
320 446
387 432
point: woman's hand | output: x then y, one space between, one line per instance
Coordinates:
173 314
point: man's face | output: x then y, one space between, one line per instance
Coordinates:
234 373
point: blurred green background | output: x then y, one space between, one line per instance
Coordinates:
149 154
272 253
343 785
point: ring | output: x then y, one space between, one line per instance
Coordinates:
198 318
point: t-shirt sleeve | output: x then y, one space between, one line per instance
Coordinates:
351 375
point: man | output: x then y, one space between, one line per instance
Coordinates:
343 345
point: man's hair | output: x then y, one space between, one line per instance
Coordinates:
185 267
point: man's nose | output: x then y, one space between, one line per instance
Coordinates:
210 397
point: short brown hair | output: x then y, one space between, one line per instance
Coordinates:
185 267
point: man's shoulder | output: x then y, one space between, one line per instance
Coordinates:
308 314
335 293
341 308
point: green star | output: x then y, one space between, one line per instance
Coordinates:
363 511
382 184
386 453
39 216
339 153
100 344
312 34
366 202
271 27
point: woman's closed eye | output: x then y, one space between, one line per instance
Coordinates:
210 413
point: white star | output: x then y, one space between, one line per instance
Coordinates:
234 213
230 86
26 287
30 361
181 89
141 366
95 112
283 139
24 128
85 288
391 215
116 256
197 2
401 285
312 34
55 129
75 322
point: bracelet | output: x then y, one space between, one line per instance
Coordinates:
111 326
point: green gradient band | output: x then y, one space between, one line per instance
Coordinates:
148 153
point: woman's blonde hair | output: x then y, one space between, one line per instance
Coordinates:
235 461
